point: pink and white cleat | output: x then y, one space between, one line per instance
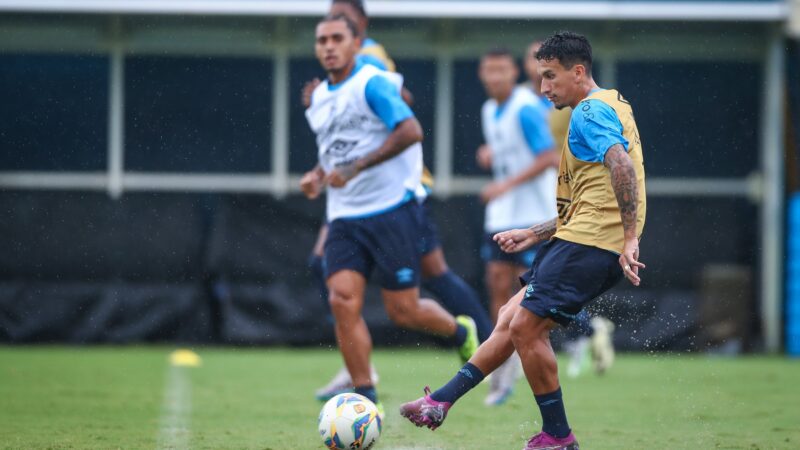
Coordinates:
425 411
544 441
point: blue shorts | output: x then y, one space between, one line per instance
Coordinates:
429 236
565 277
490 252
388 241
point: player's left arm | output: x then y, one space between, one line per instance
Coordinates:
521 239
623 180
384 99
536 130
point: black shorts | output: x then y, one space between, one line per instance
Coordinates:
388 241
429 236
565 277
490 252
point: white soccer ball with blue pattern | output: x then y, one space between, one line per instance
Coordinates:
349 422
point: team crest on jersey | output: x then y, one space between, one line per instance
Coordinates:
340 148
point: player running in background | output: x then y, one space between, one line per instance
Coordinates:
521 153
449 288
591 245
370 159
584 333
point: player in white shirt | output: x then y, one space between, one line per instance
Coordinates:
521 154
370 160
444 284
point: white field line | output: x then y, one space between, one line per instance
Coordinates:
173 430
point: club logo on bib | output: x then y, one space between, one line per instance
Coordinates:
340 148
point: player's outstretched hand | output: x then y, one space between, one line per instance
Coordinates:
311 184
308 89
629 261
517 240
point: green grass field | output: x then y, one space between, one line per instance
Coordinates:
130 397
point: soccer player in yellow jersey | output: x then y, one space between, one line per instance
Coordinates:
585 333
451 290
590 246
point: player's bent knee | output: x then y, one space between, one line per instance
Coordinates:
521 326
343 302
504 317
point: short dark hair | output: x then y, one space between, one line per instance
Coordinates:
341 18
568 48
499 52
358 5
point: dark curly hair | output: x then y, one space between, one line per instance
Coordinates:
358 5
568 48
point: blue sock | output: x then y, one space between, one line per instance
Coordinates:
460 299
466 378
369 392
554 418
317 266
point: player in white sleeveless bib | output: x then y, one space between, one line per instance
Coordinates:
458 297
521 154
370 159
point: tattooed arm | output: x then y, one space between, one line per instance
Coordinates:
513 241
623 180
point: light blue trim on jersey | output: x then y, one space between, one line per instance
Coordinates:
407 198
501 108
372 60
536 128
384 99
356 68
593 128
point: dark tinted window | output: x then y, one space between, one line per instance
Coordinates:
53 112
695 119
198 114
302 144
420 79
468 96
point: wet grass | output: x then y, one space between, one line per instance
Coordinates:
114 397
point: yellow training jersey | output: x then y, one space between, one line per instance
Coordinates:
559 125
588 212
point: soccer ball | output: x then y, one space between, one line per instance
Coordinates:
349 422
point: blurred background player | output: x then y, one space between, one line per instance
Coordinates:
370 159
585 333
601 170
521 153
449 288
